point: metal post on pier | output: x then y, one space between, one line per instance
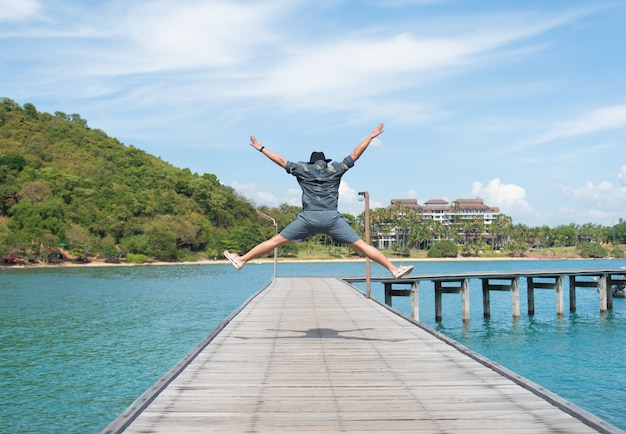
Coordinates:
265 216
365 195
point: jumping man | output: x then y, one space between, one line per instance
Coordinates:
319 180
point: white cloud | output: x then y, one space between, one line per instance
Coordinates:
600 119
348 197
349 202
510 198
355 66
604 194
293 197
621 177
603 201
404 3
18 10
190 34
255 195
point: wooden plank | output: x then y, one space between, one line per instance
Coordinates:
314 355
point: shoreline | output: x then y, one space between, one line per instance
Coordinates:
103 264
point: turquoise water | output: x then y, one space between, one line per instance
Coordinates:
79 345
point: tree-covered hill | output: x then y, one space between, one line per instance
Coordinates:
65 184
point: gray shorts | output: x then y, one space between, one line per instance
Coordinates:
320 222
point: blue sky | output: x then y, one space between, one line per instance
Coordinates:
521 103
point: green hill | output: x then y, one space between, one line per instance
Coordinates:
65 187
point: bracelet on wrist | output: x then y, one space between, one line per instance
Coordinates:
261 149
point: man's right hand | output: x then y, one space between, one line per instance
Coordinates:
377 131
255 143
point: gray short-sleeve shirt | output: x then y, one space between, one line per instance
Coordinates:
319 182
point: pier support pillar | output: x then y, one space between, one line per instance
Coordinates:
465 300
415 301
559 295
572 293
515 298
533 284
462 287
599 282
530 295
486 299
391 292
512 286
602 290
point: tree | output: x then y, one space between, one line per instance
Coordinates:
162 235
35 192
520 235
518 248
617 252
619 232
592 250
289 250
78 237
443 249
13 162
564 235
247 238
30 111
437 230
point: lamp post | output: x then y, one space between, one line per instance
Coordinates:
265 216
364 195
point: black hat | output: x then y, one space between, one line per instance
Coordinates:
317 156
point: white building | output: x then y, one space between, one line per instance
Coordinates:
438 210
441 210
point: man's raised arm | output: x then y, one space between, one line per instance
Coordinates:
361 147
269 154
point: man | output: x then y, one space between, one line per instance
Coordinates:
319 181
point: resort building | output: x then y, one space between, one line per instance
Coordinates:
459 212
447 213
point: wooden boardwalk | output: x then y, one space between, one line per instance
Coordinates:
312 354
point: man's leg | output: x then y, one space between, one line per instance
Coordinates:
376 255
264 248
260 250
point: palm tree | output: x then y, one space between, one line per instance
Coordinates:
497 229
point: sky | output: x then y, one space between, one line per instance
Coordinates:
520 103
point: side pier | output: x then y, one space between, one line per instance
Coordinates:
601 279
313 354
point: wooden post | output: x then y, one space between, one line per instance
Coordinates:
438 309
388 296
465 300
572 293
559 295
602 290
515 297
486 301
609 291
530 295
415 301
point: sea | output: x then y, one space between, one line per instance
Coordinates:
79 344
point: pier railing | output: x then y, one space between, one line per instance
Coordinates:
601 279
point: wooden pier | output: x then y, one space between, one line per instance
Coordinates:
600 279
313 354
